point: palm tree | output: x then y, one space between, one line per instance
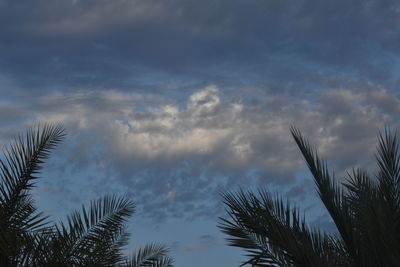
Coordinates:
364 208
94 236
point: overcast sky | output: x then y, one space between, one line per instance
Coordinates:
173 102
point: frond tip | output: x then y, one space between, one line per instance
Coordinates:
152 255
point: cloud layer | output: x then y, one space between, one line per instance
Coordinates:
174 101
175 156
122 44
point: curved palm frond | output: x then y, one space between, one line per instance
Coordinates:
22 162
274 234
94 235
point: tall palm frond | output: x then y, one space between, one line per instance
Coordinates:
330 193
365 211
22 162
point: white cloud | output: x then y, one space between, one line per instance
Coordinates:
228 135
179 151
205 101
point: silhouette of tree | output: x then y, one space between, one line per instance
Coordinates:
365 210
95 236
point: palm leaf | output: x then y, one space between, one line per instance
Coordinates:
330 193
94 235
366 213
274 234
22 162
152 255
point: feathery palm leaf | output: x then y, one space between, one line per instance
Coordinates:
22 161
329 191
93 237
152 255
274 234
366 213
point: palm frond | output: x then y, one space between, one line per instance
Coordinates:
274 234
96 234
22 162
164 261
152 255
93 237
366 214
330 193
388 158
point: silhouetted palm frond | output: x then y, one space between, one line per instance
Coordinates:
18 216
152 255
274 234
92 236
95 236
365 211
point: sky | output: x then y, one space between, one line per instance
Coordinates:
174 102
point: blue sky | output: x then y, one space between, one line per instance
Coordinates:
175 101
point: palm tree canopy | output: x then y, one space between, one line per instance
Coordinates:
94 236
365 210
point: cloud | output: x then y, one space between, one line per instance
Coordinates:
204 242
175 157
209 241
123 44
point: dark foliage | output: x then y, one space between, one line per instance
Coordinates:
95 236
365 211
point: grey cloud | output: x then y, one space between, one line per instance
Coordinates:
174 158
205 242
10 113
125 44
209 241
